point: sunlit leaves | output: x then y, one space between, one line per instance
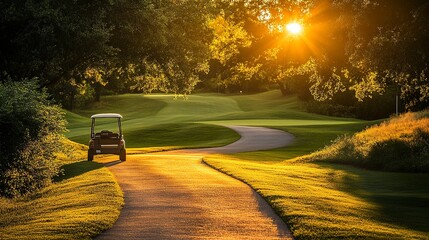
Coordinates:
325 87
369 84
388 46
95 75
153 78
243 72
228 38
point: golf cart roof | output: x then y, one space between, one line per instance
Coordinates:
106 115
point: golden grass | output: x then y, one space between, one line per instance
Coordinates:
402 127
83 202
399 144
332 201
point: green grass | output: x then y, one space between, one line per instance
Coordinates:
181 135
326 201
159 120
317 200
153 115
83 202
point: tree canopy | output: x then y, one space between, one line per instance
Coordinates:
365 49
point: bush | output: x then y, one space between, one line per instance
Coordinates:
31 127
400 154
331 109
400 144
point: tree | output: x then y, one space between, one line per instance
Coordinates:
184 53
52 40
70 45
250 46
383 45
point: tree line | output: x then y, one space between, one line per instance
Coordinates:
352 53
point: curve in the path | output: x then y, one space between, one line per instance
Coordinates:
253 139
173 195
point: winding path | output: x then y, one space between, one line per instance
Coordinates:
173 195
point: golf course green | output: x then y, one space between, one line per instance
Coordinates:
320 200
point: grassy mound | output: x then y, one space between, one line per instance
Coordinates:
399 144
82 203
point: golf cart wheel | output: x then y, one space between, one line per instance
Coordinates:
123 155
90 154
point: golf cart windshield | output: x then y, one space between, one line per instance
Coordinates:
106 122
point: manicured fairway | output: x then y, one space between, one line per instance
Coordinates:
326 200
161 121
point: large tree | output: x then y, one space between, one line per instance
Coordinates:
379 45
52 39
175 48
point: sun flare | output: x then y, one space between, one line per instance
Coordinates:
294 28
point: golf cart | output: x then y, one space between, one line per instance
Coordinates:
105 141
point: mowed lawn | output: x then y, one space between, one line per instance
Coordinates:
316 200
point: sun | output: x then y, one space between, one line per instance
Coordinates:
294 28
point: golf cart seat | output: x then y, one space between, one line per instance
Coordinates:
106 134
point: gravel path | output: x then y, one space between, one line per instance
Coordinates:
173 195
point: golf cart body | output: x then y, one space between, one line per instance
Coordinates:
105 141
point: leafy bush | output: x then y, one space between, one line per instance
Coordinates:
31 127
331 109
400 144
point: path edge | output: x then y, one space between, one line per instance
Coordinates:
276 217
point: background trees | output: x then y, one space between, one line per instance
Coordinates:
70 45
379 52
358 54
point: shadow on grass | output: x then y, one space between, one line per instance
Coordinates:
75 169
402 199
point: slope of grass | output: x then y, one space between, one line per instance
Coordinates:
400 144
152 114
181 135
82 202
327 201
154 120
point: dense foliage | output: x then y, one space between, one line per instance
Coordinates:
358 54
30 130
71 46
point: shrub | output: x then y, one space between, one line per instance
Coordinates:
400 144
31 127
331 109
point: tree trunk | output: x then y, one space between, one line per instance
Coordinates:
71 103
283 88
97 92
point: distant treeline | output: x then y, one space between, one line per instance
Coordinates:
352 58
